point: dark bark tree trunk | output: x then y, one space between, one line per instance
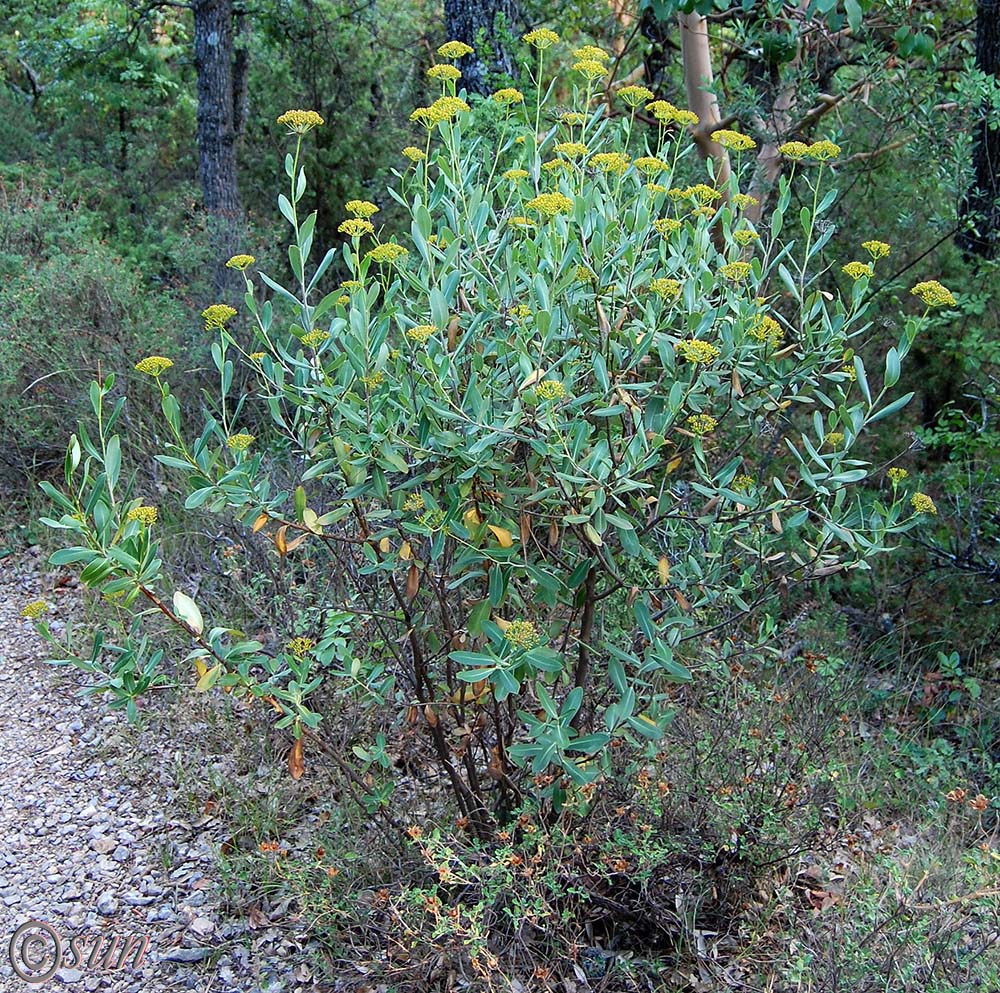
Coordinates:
217 131
981 204
486 25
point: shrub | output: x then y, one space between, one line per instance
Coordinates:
578 416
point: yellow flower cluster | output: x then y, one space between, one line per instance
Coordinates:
745 236
300 121
550 204
733 140
240 262
615 162
857 270
635 95
736 271
541 38
697 352
521 311
554 165
443 109
350 285
516 174
421 333
34 609
571 149
923 504
314 338
591 52
356 227
521 221
413 153
701 192
361 208
667 225
550 389
821 151
573 118
413 503
834 439
850 372
743 482
388 253
668 289
217 316
897 475
591 69
876 249
144 515
522 634
300 647
766 329
583 274
702 423
744 200
374 380
444 72
153 365
649 165
454 50
666 113
508 96
933 294
240 442
257 356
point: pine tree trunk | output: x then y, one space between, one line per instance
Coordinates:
981 204
217 131
486 25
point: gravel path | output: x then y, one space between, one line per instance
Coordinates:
93 843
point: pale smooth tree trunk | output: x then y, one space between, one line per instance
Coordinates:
698 78
486 25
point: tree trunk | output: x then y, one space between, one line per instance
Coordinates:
486 25
217 131
697 57
981 204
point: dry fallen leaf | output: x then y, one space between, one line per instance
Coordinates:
296 765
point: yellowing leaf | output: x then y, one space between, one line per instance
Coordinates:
187 610
311 520
209 679
776 522
384 546
279 540
592 534
406 551
674 464
200 667
663 570
295 542
262 519
553 534
296 764
471 518
531 379
502 535
412 581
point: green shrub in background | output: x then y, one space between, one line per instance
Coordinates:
70 307
577 417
